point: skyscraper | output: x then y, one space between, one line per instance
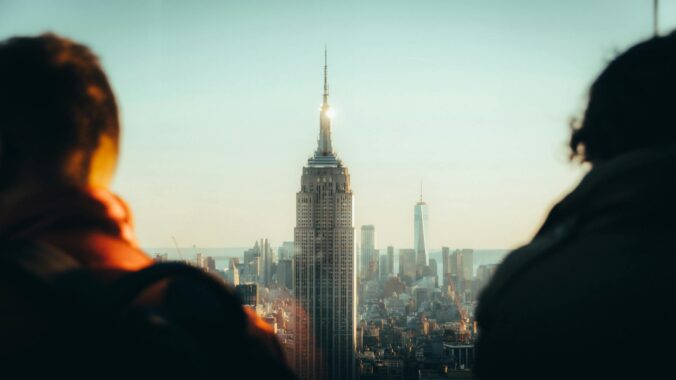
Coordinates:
434 271
384 264
390 260
407 265
260 260
445 260
468 274
268 259
285 273
248 293
369 261
420 220
232 274
324 263
252 264
467 264
445 267
462 271
286 251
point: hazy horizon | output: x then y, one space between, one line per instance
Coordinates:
480 257
219 104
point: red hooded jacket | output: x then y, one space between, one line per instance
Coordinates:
95 227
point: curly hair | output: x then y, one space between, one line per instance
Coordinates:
632 104
54 99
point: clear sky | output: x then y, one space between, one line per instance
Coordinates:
220 101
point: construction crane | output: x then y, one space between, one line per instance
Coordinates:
177 249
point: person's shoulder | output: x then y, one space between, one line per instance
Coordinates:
560 262
260 330
515 263
212 315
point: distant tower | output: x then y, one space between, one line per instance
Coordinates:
445 267
233 273
286 251
268 259
325 328
390 260
420 223
407 265
369 261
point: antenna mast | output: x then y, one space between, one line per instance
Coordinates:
656 5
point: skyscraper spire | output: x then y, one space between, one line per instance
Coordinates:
326 77
324 155
421 201
324 147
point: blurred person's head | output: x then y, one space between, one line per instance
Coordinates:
58 117
632 104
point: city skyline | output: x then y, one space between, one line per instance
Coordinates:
472 99
223 247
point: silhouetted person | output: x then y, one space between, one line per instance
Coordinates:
592 296
78 298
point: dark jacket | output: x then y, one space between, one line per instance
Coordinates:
593 295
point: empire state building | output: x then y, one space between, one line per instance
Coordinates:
325 328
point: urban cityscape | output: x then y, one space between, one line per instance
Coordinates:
484 179
341 306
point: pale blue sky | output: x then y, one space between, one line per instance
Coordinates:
220 103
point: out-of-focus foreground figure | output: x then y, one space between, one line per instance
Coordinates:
78 298
592 296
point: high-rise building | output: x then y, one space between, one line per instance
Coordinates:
407 265
286 251
445 267
456 263
268 261
252 259
384 264
232 274
325 324
248 293
374 267
434 271
468 274
400 273
210 264
285 273
462 273
369 259
390 260
420 221
468 264
259 261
